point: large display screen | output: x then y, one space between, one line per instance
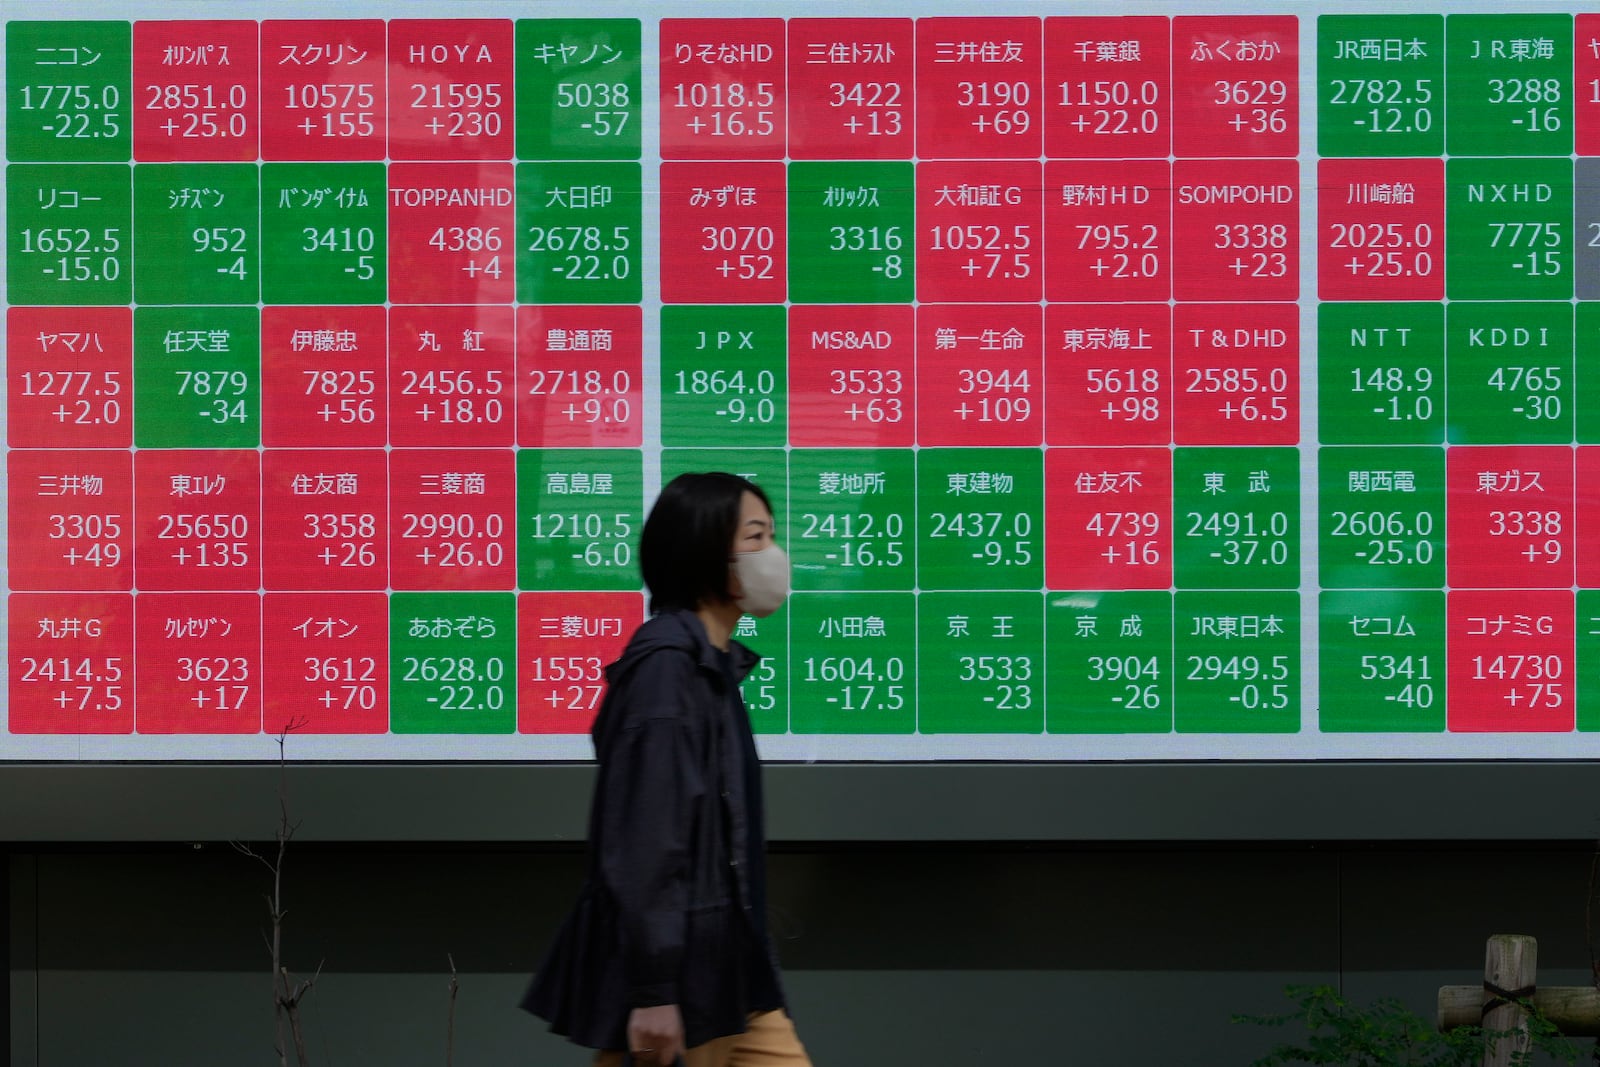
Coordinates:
1207 382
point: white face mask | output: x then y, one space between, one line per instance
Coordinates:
764 577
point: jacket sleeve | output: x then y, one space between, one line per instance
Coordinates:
650 784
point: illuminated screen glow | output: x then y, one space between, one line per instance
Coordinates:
1193 384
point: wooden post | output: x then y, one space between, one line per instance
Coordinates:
1510 966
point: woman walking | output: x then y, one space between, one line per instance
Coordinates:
665 957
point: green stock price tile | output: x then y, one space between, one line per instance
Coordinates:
767 467
1588 659
1508 84
196 377
579 514
1508 229
853 663
766 688
196 232
1380 374
324 233
981 518
852 232
1380 85
1236 518
852 518
68 91
1237 661
980 663
1586 373
1508 378
1381 518
578 233
69 233
452 662
578 88
1382 666
1110 662
724 376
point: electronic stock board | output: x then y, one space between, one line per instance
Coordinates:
1131 382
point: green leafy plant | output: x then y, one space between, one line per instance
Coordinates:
1387 1034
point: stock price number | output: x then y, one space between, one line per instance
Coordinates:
576 682
1403 392
1133 394
864 684
462 683
85 683
860 540
1245 538
743 397
1414 673
1139 676
874 394
1262 681
1133 537
455 539
592 396
1008 678
999 540
1392 538
350 683
86 398
77 253
456 397
596 540
995 395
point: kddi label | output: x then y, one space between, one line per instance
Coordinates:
1502 337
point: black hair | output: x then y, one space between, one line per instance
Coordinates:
683 552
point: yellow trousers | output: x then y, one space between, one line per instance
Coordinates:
769 1041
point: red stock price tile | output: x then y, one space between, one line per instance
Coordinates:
1236 230
564 641
452 519
198 519
451 89
1108 518
1108 230
452 376
1380 229
1511 517
1236 85
978 88
323 89
980 375
851 87
580 376
1510 661
1108 87
852 376
325 519
70 374
724 233
979 231
722 88
71 663
70 519
323 377
1108 374
195 87
452 233
1236 374
325 662
199 663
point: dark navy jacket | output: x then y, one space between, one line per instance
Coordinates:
667 914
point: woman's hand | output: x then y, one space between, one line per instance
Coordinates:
655 1035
